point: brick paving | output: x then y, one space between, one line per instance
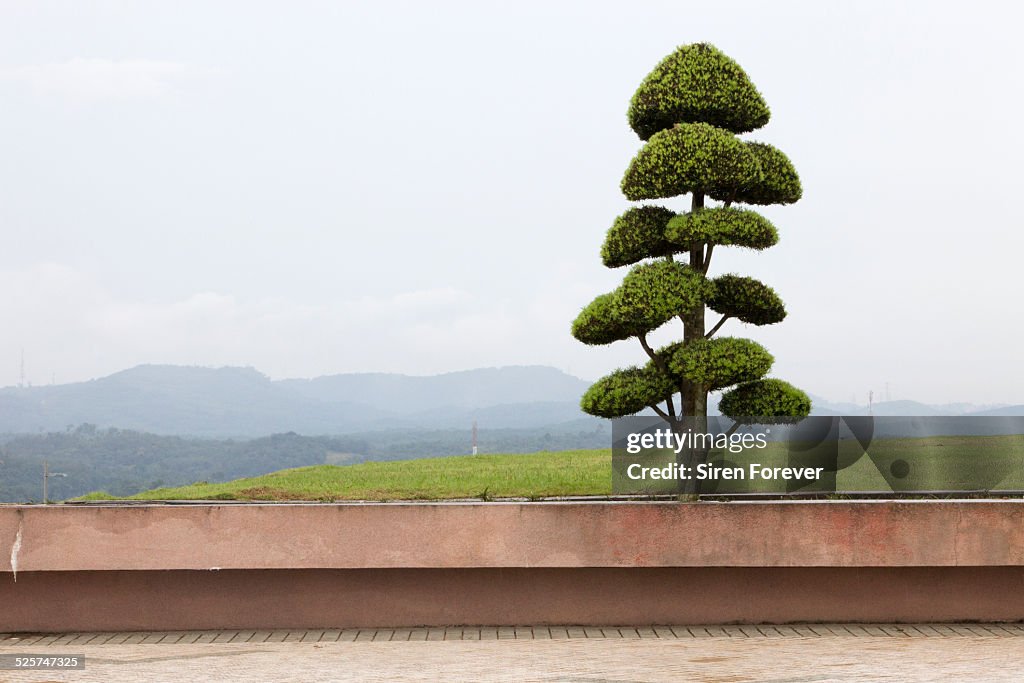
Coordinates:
794 653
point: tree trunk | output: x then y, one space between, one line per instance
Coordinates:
694 398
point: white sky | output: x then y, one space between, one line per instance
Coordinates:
312 188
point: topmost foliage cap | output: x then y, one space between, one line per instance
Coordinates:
697 84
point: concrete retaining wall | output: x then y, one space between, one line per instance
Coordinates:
171 567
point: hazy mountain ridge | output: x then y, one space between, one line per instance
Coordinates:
905 408
244 403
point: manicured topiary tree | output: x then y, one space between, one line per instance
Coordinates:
689 111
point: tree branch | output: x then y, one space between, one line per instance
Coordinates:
647 347
714 329
707 258
661 412
658 360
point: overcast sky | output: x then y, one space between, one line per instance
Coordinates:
313 188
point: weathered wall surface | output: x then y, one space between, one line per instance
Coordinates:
303 566
804 534
355 598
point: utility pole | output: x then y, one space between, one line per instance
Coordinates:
46 477
474 437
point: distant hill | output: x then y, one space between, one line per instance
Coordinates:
1005 411
234 402
911 409
242 402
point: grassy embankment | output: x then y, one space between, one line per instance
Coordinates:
466 476
947 462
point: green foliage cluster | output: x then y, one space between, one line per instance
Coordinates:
779 182
627 392
637 234
727 226
718 363
697 83
697 157
597 324
746 299
765 398
654 293
691 157
649 296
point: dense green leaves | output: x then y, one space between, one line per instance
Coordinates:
746 299
765 401
650 295
779 182
717 363
697 83
599 324
637 234
654 293
691 157
725 226
626 392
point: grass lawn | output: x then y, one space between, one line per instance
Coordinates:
967 463
532 475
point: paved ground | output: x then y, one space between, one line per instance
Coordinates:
804 654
